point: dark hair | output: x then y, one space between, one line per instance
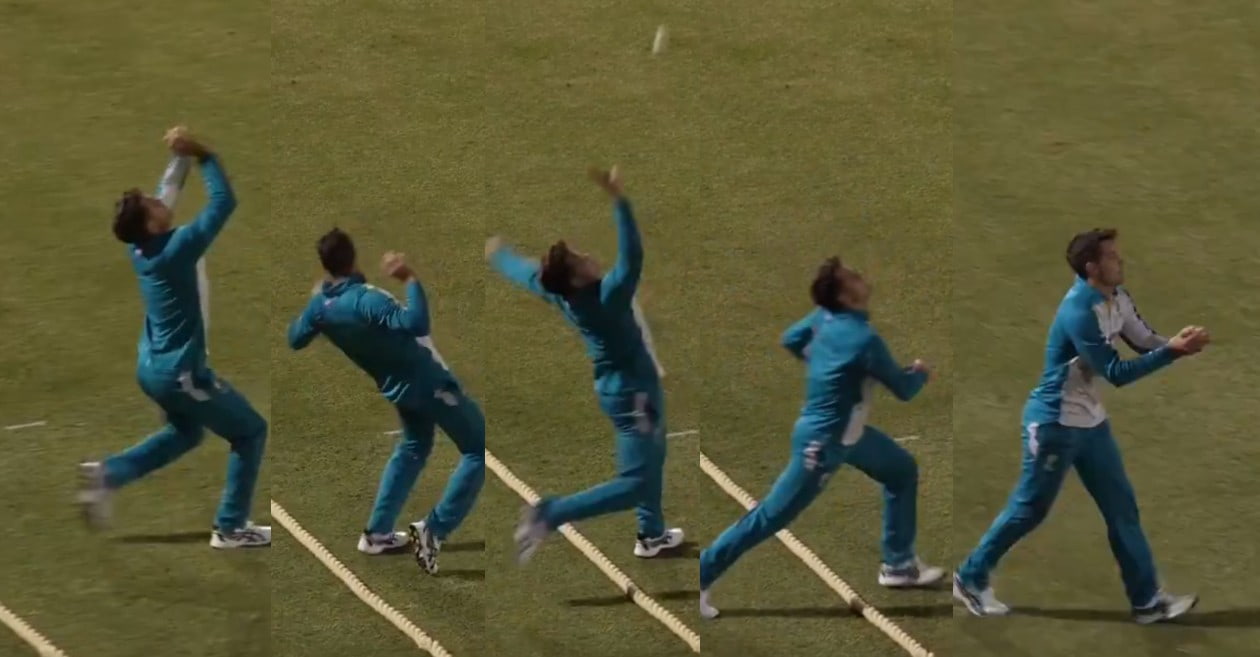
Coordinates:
131 218
336 252
826 288
556 275
1087 247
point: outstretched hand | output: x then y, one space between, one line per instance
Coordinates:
394 264
493 244
183 144
1190 340
609 180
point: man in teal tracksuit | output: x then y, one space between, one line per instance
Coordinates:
390 343
627 378
172 368
1065 427
844 357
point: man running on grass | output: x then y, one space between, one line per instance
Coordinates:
844 358
1065 427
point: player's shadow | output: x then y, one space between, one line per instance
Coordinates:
1237 617
466 546
467 574
601 601
614 600
904 611
685 550
175 538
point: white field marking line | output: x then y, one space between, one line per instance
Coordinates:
422 640
610 569
828 576
906 439
28 425
43 647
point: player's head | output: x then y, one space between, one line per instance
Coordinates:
565 271
336 253
138 217
837 287
1093 255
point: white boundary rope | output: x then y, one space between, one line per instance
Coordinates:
395 617
609 569
30 635
828 576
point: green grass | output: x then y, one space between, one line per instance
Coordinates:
1070 115
466 124
83 116
821 129
371 121
948 152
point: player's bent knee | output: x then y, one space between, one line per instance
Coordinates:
1034 512
413 450
254 431
908 473
192 436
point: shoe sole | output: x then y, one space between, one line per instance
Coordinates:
527 543
1165 619
428 565
223 545
902 583
376 551
643 553
969 601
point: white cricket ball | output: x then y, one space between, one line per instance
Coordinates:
662 38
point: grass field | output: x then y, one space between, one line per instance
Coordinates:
1069 115
821 129
83 118
374 119
947 152
467 124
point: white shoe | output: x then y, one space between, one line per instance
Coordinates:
913 573
707 611
530 533
249 536
979 603
426 546
375 544
1165 608
646 548
94 496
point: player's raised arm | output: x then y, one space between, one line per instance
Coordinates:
1092 346
620 284
379 309
520 271
797 337
1139 335
193 239
903 382
305 328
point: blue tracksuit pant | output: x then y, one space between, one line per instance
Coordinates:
1050 450
814 459
193 403
639 421
462 421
